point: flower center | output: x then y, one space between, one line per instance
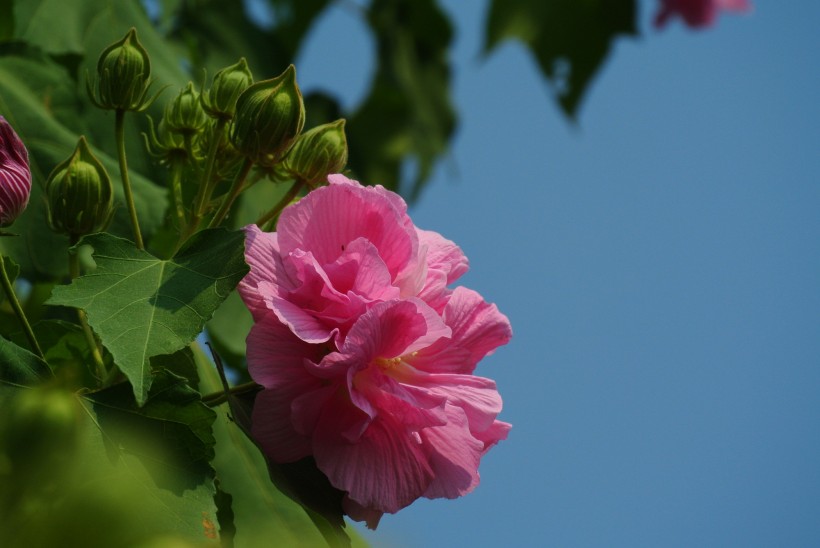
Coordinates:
388 363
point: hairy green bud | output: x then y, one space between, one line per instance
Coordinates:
123 76
317 153
269 116
228 85
184 115
80 194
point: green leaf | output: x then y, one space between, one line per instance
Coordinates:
410 89
141 306
569 38
19 367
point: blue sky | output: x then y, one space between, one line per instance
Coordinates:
660 265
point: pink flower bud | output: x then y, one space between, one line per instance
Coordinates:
697 13
15 176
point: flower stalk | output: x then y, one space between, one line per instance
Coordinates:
271 216
18 310
119 130
236 189
96 355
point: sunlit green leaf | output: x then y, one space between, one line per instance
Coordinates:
141 306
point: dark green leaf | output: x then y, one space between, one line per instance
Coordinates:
6 20
218 33
410 90
19 367
180 363
141 306
569 38
170 431
66 350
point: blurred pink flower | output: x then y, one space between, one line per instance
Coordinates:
697 13
365 355
15 176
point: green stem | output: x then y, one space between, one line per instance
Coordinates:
283 202
176 191
18 310
230 197
119 130
217 398
74 271
206 186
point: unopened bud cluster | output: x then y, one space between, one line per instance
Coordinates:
203 136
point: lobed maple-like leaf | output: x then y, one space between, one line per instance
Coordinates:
141 306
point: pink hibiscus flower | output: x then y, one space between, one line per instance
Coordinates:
697 13
15 176
365 355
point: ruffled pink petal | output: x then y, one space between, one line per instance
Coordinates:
262 254
357 512
276 357
361 271
478 329
477 396
497 432
330 218
384 471
276 361
454 456
415 407
393 329
304 325
273 429
443 255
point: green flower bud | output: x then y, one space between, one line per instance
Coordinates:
269 116
123 72
228 85
318 153
165 145
184 115
80 195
